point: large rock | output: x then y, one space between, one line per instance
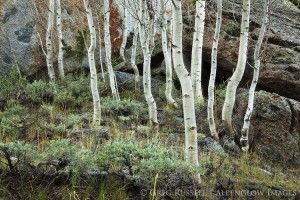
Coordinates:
20 23
275 126
126 82
280 68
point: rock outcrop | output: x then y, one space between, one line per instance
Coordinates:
21 23
280 70
275 126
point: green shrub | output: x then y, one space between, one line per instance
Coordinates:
39 91
81 90
124 107
67 156
64 99
221 90
59 153
11 83
54 128
72 121
12 122
14 153
77 88
60 149
142 160
46 110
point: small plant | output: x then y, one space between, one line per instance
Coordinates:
11 84
64 99
14 153
39 92
46 110
12 122
61 149
54 128
140 160
221 90
123 107
73 121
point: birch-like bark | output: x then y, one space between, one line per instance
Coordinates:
196 63
100 47
146 32
133 58
245 130
60 58
112 77
191 145
213 72
167 56
239 71
49 45
93 71
125 31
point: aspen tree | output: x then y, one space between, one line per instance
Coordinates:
60 58
245 130
166 40
239 71
49 45
196 64
112 77
146 33
191 145
125 30
100 47
213 72
93 71
133 57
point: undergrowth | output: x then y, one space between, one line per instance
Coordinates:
50 150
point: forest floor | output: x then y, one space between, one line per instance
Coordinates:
49 149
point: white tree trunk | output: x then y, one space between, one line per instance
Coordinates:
49 45
60 58
191 145
146 28
112 78
196 64
213 72
239 71
125 31
167 56
133 58
245 130
100 47
93 71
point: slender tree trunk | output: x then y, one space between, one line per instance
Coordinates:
146 37
239 71
93 71
196 64
125 31
213 72
191 145
49 34
246 125
112 77
60 38
167 56
100 47
133 58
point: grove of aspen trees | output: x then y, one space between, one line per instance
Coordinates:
149 99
